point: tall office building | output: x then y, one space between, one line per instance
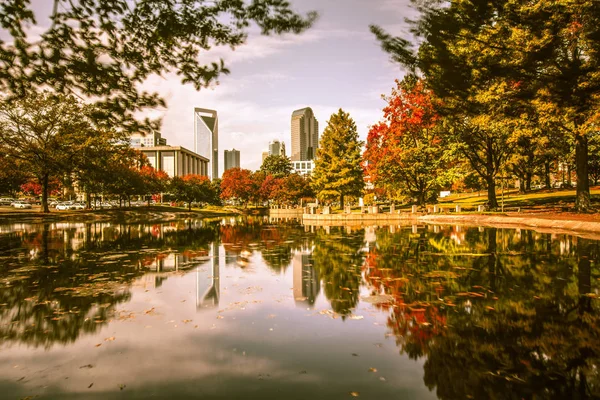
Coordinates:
232 159
276 148
305 135
206 138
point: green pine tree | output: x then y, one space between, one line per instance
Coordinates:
338 171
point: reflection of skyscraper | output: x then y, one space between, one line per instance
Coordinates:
305 135
206 138
208 287
306 280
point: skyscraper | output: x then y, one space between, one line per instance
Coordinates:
305 135
276 148
206 138
232 159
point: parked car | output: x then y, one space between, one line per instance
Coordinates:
21 204
77 206
6 201
63 206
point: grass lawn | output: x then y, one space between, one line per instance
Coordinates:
513 198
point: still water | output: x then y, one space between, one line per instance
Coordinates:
232 309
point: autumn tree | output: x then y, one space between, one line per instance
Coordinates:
338 169
277 166
155 181
191 188
540 57
237 184
45 134
12 175
104 50
406 151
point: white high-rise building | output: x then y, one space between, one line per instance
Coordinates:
206 138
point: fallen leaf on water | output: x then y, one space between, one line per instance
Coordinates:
109 339
86 366
382 379
91 384
185 321
355 317
372 369
220 317
354 394
99 344
121 386
490 308
354 355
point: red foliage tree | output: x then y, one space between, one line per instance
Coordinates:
237 184
405 152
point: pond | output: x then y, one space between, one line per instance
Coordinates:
248 308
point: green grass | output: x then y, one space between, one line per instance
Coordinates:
514 199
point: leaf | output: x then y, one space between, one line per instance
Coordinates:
354 394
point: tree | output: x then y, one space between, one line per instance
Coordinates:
338 170
237 184
45 134
544 55
12 175
155 181
191 188
103 50
406 151
277 166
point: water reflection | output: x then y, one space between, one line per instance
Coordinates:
498 311
62 280
490 313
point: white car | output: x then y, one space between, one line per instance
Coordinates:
20 204
77 206
63 206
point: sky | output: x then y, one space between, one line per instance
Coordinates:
337 63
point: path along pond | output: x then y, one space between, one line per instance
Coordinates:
247 308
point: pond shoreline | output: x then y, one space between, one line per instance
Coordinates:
129 215
570 223
540 222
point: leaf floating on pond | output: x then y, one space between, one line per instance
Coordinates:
372 369
354 394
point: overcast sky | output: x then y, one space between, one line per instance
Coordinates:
336 64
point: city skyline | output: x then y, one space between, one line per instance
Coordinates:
206 138
231 159
304 135
337 63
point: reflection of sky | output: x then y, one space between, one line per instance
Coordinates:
257 342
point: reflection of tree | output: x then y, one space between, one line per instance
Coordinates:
338 257
277 243
55 291
518 322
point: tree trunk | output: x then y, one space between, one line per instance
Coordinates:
491 189
492 258
44 183
189 206
528 177
547 174
88 200
582 202
342 201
